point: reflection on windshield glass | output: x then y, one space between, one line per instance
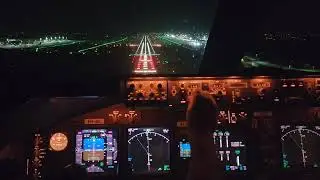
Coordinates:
286 51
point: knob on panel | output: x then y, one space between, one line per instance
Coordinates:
141 92
132 86
205 87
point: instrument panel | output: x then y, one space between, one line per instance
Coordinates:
265 125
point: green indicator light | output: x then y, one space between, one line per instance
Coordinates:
237 152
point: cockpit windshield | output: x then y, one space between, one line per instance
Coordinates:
120 37
140 37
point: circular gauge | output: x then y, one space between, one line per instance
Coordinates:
149 150
58 142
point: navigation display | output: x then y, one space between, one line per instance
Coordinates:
300 146
149 150
97 150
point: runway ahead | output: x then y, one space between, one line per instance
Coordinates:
144 58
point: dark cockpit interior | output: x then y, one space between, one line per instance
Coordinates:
70 102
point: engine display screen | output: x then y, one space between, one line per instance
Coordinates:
96 149
149 150
300 146
231 149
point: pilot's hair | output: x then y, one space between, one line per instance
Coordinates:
202 112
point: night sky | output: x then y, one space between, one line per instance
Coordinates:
97 16
105 15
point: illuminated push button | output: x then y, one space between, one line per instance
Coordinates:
276 96
218 96
173 92
237 93
301 84
140 96
228 168
184 97
189 93
262 92
284 84
152 96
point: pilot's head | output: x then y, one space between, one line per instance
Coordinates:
202 112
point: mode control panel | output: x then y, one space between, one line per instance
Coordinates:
226 91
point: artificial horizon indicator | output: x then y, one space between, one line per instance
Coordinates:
97 150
